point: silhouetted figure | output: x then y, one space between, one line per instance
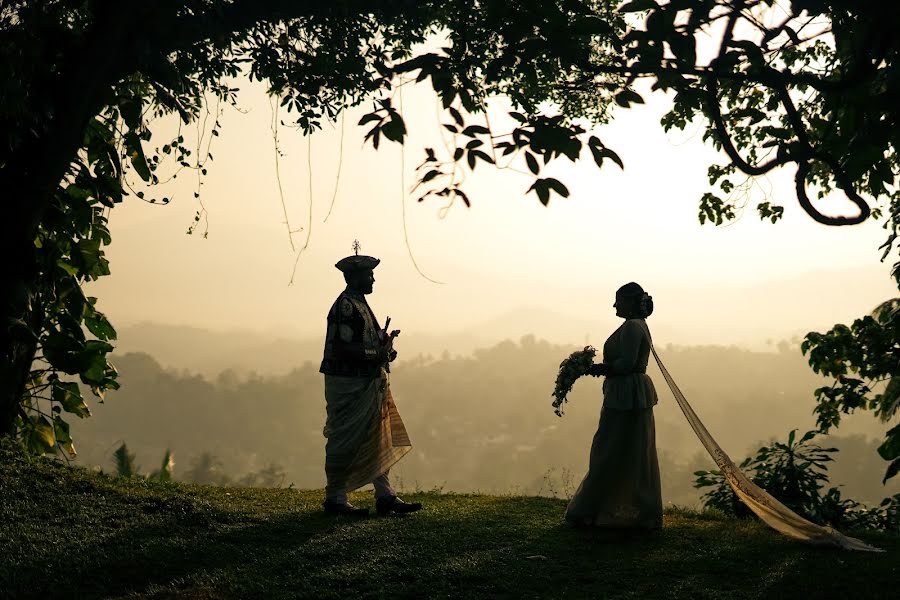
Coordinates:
621 488
365 435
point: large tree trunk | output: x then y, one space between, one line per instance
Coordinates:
18 347
70 94
21 314
14 378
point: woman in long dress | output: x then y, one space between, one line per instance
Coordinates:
621 488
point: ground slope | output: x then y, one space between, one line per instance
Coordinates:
70 533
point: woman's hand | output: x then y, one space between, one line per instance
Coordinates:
598 370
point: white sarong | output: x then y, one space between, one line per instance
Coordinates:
365 435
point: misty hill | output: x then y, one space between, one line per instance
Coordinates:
755 317
480 422
210 352
69 532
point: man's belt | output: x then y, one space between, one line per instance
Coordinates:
346 368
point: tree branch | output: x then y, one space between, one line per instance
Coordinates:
802 158
806 205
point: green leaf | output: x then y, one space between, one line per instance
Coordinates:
462 196
769 211
890 448
94 355
627 97
77 193
37 435
63 351
368 118
543 186
892 470
72 297
135 151
395 128
473 154
68 395
429 176
542 190
375 135
473 130
98 324
91 256
597 153
613 156
63 437
456 116
558 187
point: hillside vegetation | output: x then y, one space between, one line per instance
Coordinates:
68 532
480 423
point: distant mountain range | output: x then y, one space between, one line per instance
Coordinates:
755 317
211 352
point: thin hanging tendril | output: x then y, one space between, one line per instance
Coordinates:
274 127
403 200
337 179
309 224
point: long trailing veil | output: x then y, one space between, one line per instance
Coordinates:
772 512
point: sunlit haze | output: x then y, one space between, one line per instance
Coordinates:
507 266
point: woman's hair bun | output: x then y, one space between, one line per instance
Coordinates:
645 307
645 300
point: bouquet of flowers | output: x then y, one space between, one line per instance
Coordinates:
570 369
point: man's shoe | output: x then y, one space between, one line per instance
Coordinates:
344 510
393 504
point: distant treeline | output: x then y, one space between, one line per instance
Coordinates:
478 423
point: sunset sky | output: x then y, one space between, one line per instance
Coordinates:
551 270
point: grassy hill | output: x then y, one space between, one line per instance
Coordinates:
71 533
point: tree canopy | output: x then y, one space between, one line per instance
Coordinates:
809 85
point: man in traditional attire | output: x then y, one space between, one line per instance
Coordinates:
365 435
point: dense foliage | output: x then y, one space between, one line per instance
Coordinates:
864 360
796 472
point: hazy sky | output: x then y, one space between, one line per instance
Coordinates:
744 284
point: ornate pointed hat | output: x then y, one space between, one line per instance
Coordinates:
357 261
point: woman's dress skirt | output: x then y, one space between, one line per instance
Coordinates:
621 488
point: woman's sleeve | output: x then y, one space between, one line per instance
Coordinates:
629 348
